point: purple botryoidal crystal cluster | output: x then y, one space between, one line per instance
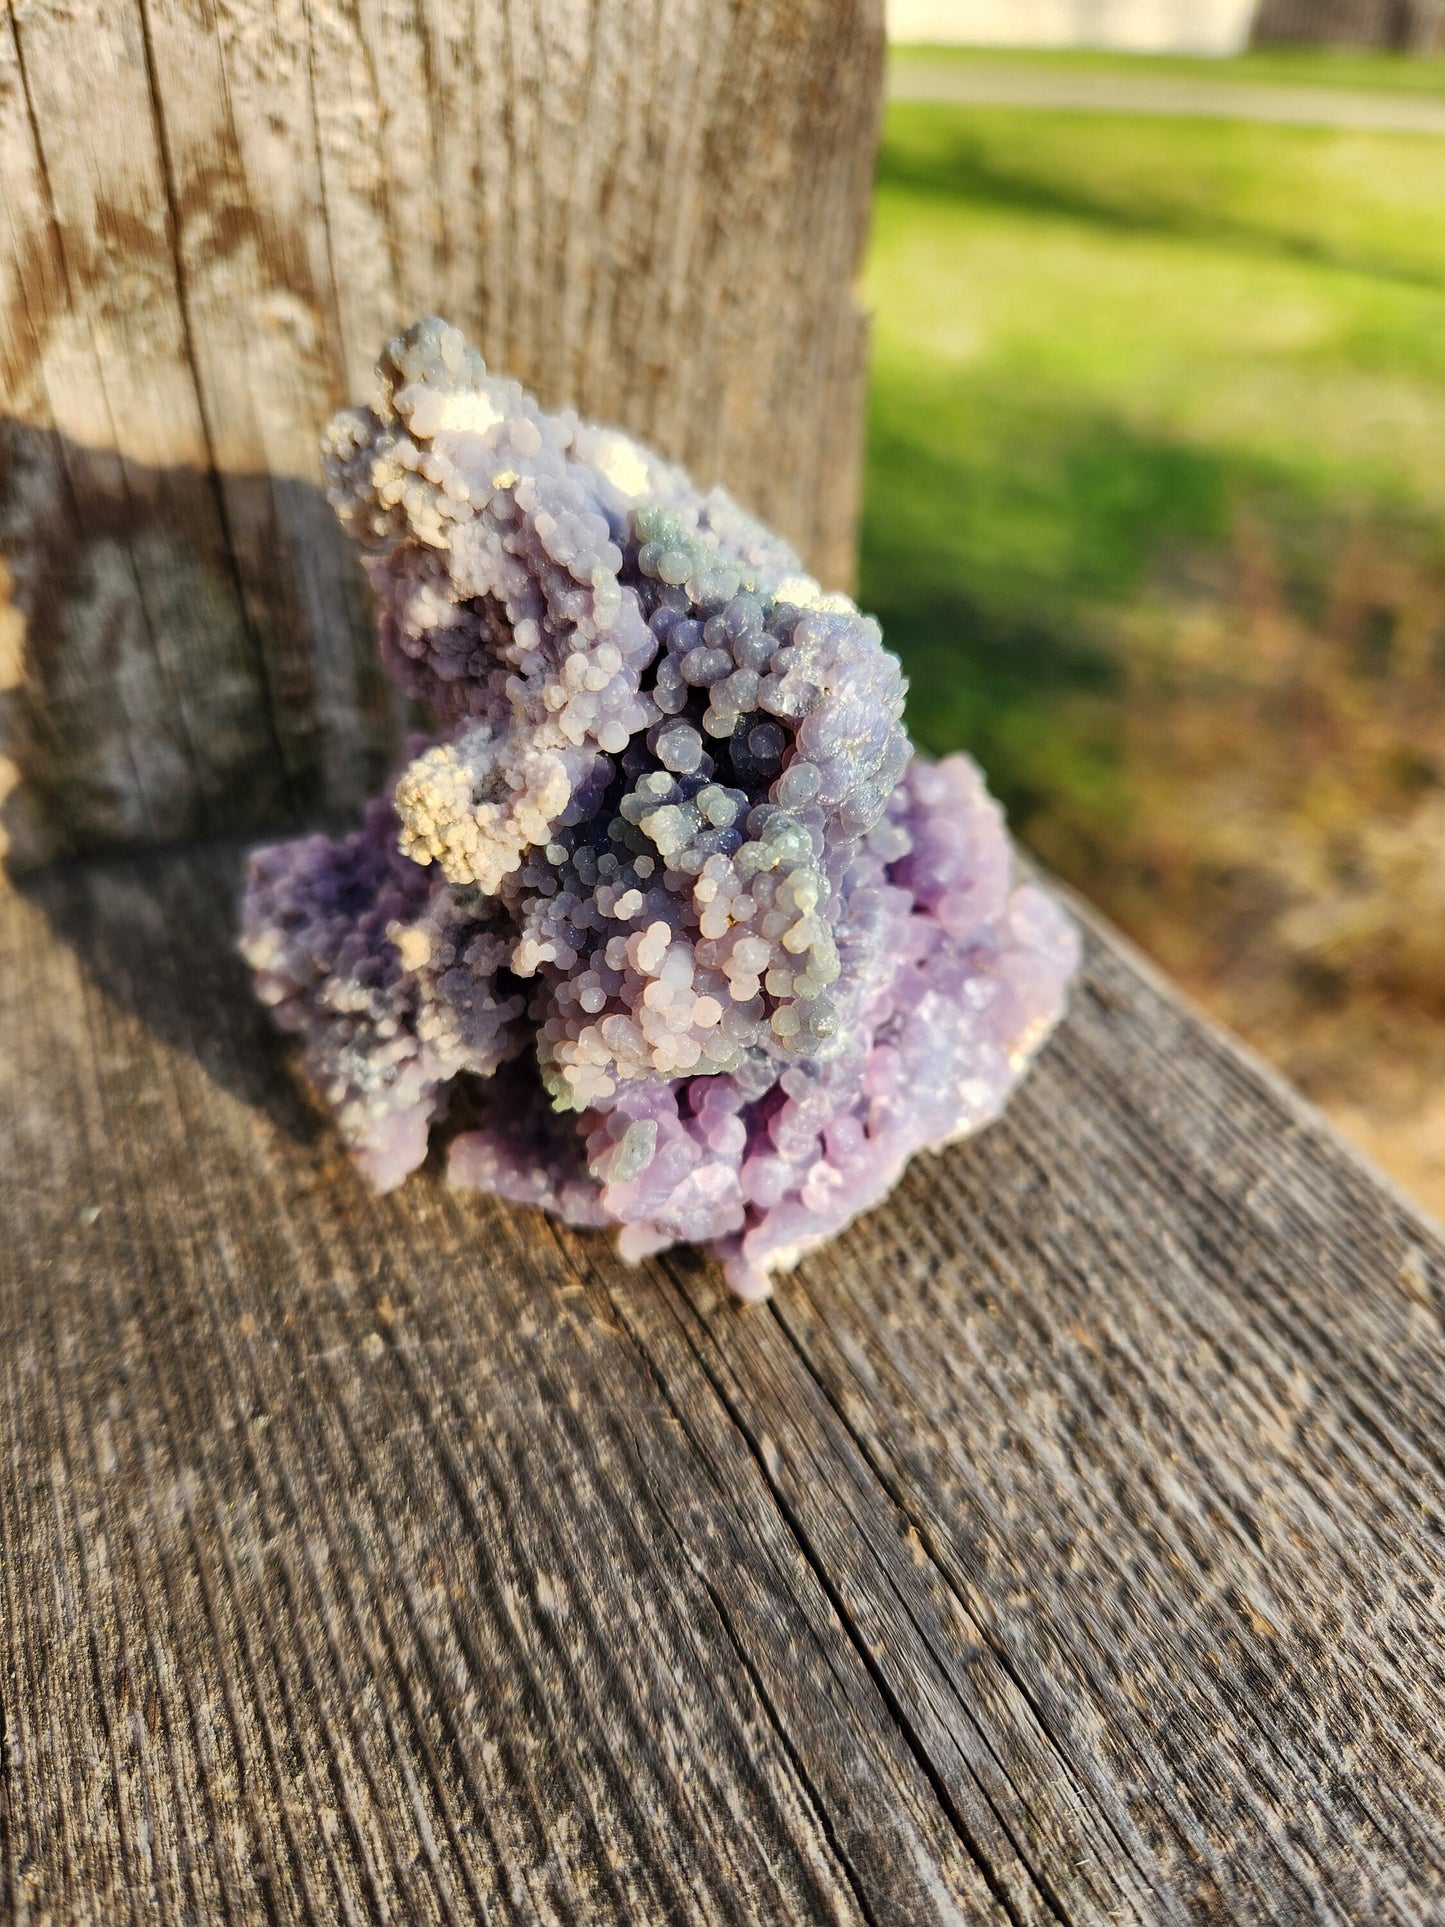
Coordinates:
715 952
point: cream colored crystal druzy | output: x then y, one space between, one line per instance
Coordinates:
475 805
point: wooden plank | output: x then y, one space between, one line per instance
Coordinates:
216 212
1063 1544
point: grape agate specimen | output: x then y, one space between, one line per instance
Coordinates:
716 953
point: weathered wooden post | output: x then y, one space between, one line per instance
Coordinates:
214 212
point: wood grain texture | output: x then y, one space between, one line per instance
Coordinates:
1064 1544
214 214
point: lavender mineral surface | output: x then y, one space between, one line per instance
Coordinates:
716 953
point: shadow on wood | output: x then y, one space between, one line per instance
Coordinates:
149 695
123 922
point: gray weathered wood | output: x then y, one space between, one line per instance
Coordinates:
213 214
1063 1544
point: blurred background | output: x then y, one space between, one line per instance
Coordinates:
1155 506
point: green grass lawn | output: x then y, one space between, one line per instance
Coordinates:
1155 516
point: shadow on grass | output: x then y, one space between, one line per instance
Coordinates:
962 169
1039 567
1007 688
987 559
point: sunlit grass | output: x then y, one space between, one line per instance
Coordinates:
1156 517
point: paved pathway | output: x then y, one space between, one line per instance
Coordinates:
996 84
